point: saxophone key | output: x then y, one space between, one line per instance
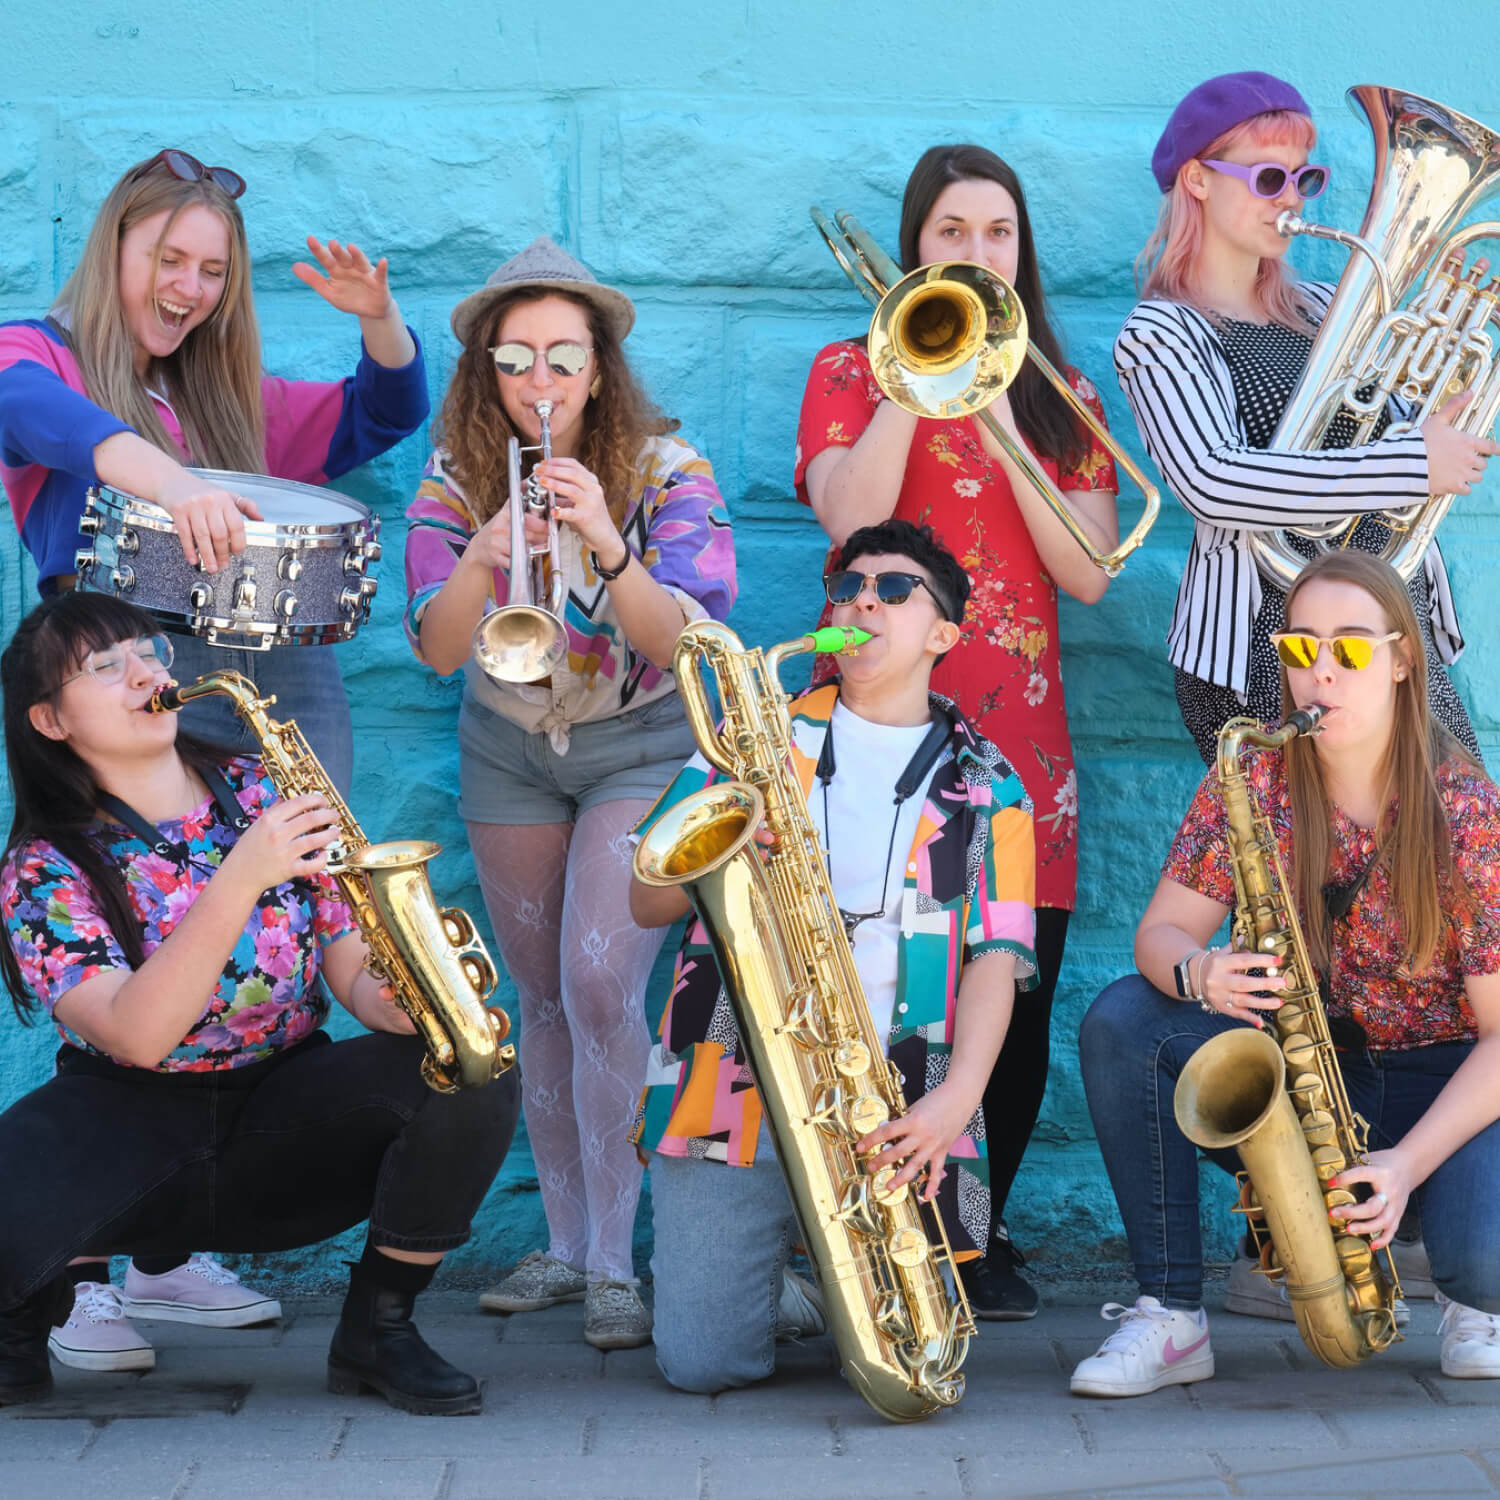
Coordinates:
882 1191
908 1247
851 1057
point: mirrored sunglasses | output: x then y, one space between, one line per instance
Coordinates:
564 358
187 168
1353 652
108 665
1268 179
890 588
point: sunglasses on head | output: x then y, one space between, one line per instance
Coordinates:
1267 179
563 358
1354 652
187 168
845 586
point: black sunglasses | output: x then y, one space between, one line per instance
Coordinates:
845 586
187 168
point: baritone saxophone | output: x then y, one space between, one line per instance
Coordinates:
882 1257
433 959
1282 1103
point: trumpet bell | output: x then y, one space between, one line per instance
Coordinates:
947 339
520 643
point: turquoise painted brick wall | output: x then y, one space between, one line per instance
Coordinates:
675 147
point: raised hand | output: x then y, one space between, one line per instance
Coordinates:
347 281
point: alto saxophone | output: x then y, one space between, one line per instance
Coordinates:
1282 1103
818 1061
433 960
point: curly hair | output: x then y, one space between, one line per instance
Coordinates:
473 429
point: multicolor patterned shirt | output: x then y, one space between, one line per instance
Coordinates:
1370 981
967 892
1005 672
267 998
675 522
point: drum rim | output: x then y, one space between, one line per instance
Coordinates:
116 502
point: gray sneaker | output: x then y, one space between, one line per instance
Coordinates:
1413 1269
614 1316
800 1312
538 1281
1256 1296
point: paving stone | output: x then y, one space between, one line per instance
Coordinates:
516 1473
23 1436
1429 1475
305 1434
335 1479
38 1479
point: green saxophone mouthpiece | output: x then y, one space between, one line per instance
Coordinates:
832 639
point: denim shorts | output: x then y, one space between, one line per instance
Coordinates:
506 775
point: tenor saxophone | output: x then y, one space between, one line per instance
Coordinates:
432 958
882 1256
1282 1103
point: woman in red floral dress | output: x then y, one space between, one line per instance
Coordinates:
862 459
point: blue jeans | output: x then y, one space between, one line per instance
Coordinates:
723 1235
308 688
1134 1043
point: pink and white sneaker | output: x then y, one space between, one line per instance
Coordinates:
98 1335
201 1291
1153 1346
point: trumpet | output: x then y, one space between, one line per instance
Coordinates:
524 639
949 338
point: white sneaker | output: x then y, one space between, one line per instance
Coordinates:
201 1291
1253 1295
1471 1341
800 1312
1153 1346
98 1335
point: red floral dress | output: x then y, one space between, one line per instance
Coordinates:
1004 672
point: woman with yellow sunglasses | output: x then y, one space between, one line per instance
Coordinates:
1391 833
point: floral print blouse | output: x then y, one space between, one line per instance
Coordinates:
1004 673
268 997
1371 982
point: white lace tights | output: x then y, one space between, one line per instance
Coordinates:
558 899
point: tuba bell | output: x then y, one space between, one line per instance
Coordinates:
524 639
950 337
1433 166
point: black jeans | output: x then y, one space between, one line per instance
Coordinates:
1013 1096
106 1159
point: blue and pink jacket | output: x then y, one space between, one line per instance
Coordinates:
316 430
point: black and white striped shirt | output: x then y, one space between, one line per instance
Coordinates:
1173 370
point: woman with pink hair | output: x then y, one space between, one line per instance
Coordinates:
1208 360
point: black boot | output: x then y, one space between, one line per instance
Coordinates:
376 1347
25 1370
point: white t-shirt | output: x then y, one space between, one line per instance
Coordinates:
868 761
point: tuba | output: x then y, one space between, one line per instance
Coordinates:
949 338
524 639
882 1257
1433 166
432 958
1282 1103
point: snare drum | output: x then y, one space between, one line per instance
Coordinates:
302 580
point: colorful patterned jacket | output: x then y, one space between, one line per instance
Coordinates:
967 892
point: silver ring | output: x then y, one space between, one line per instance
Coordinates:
1379 1198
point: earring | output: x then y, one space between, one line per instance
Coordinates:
1400 676
597 386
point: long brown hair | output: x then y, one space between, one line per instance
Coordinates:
474 430
1044 418
213 378
1413 839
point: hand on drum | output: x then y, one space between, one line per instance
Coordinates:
919 1138
489 547
1455 460
209 521
579 501
1227 985
289 841
351 284
1380 1214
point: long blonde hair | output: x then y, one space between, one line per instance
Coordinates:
1413 839
213 379
1167 267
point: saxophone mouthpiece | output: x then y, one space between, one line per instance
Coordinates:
1306 720
166 700
832 640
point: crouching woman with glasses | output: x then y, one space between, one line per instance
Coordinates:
172 918
1390 834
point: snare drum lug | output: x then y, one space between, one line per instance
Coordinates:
286 604
354 565
129 542
372 550
200 596
289 567
122 578
244 594
83 561
88 523
352 601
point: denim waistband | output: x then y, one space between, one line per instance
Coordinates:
75 1061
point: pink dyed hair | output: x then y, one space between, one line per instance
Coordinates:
1166 266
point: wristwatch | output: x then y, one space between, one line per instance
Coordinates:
1181 977
610 574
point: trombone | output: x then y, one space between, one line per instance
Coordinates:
950 337
524 640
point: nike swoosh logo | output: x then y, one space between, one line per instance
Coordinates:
1171 1353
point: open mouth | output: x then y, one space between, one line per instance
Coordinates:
172 314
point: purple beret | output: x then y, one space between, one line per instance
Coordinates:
1212 108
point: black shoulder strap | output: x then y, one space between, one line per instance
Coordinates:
227 803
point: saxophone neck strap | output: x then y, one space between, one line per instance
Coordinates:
228 804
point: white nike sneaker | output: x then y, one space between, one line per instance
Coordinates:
1153 1346
1471 1341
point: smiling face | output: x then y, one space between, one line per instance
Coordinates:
975 219
1361 705
168 295
908 637
541 324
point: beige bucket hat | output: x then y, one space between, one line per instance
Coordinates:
545 265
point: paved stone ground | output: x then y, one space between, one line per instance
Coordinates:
238 1414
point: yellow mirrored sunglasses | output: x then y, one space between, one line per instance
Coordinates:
1356 652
